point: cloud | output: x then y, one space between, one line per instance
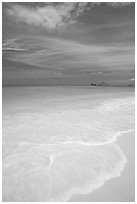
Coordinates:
12 45
65 55
49 16
52 15
119 4
12 49
96 72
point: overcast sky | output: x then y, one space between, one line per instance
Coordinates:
68 43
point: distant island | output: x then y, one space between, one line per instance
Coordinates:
100 84
106 84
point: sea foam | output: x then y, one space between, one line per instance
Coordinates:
29 174
52 152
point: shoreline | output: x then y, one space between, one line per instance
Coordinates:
117 189
38 102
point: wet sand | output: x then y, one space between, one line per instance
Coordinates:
122 188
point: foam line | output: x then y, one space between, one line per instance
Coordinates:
76 168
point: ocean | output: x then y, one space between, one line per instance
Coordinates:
67 143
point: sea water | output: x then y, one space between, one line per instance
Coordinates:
61 141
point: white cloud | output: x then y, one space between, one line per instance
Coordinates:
53 16
96 72
50 17
60 54
119 4
12 49
12 45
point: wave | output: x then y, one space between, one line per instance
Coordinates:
116 104
90 125
56 172
66 151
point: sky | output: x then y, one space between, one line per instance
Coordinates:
68 43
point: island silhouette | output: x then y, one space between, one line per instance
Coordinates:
109 85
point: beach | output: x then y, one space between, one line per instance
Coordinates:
120 189
68 141
68 101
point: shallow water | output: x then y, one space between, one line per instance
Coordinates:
60 141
